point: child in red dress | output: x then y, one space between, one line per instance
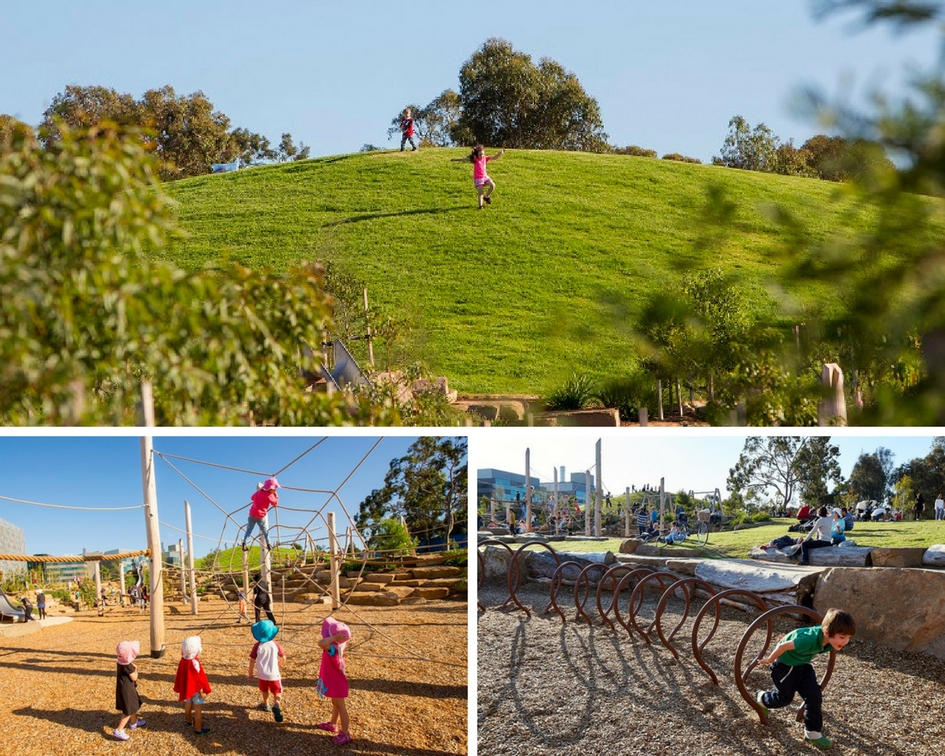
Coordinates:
332 681
191 684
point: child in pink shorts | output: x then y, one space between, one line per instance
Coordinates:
485 186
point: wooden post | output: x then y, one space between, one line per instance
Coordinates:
556 500
154 544
662 502
626 530
246 574
587 502
659 394
121 582
97 568
335 567
370 340
597 498
147 404
183 572
642 416
190 558
528 492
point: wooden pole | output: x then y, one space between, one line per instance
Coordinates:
147 404
190 558
626 530
662 502
597 498
154 544
556 497
183 572
370 339
528 492
335 567
121 582
587 502
97 566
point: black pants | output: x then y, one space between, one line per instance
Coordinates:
267 609
806 546
403 142
803 681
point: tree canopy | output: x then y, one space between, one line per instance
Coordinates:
88 317
427 487
787 464
185 132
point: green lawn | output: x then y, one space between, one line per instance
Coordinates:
736 544
517 297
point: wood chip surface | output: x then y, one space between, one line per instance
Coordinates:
570 689
57 686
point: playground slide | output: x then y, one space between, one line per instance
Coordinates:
7 609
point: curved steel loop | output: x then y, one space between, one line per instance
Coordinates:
584 579
683 584
480 577
515 560
610 575
496 542
636 599
737 667
556 580
716 601
637 574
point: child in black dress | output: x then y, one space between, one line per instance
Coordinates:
127 700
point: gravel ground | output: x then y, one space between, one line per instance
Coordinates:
58 686
550 688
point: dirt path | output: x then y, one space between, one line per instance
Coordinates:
58 686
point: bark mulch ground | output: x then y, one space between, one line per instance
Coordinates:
58 686
547 687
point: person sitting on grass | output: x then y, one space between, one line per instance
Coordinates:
793 673
676 535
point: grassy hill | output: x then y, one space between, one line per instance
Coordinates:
518 296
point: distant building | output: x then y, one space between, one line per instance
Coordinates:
62 572
510 487
12 541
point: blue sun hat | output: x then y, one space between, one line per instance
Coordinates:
265 630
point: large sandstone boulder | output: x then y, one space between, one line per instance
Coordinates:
901 557
655 549
495 561
374 599
379 577
443 571
901 609
934 556
630 545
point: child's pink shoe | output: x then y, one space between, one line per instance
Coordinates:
327 726
344 737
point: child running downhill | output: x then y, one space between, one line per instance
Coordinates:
127 700
792 671
263 499
332 681
191 684
485 186
265 656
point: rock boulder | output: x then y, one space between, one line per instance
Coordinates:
902 557
934 556
897 608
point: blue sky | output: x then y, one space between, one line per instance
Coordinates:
668 75
692 460
105 472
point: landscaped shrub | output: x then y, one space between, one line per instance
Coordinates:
577 393
627 394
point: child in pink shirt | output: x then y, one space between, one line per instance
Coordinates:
261 501
485 186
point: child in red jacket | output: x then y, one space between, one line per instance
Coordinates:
191 684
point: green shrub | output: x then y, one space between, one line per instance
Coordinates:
635 151
628 394
681 158
760 517
577 393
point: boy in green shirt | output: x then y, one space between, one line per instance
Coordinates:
792 671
